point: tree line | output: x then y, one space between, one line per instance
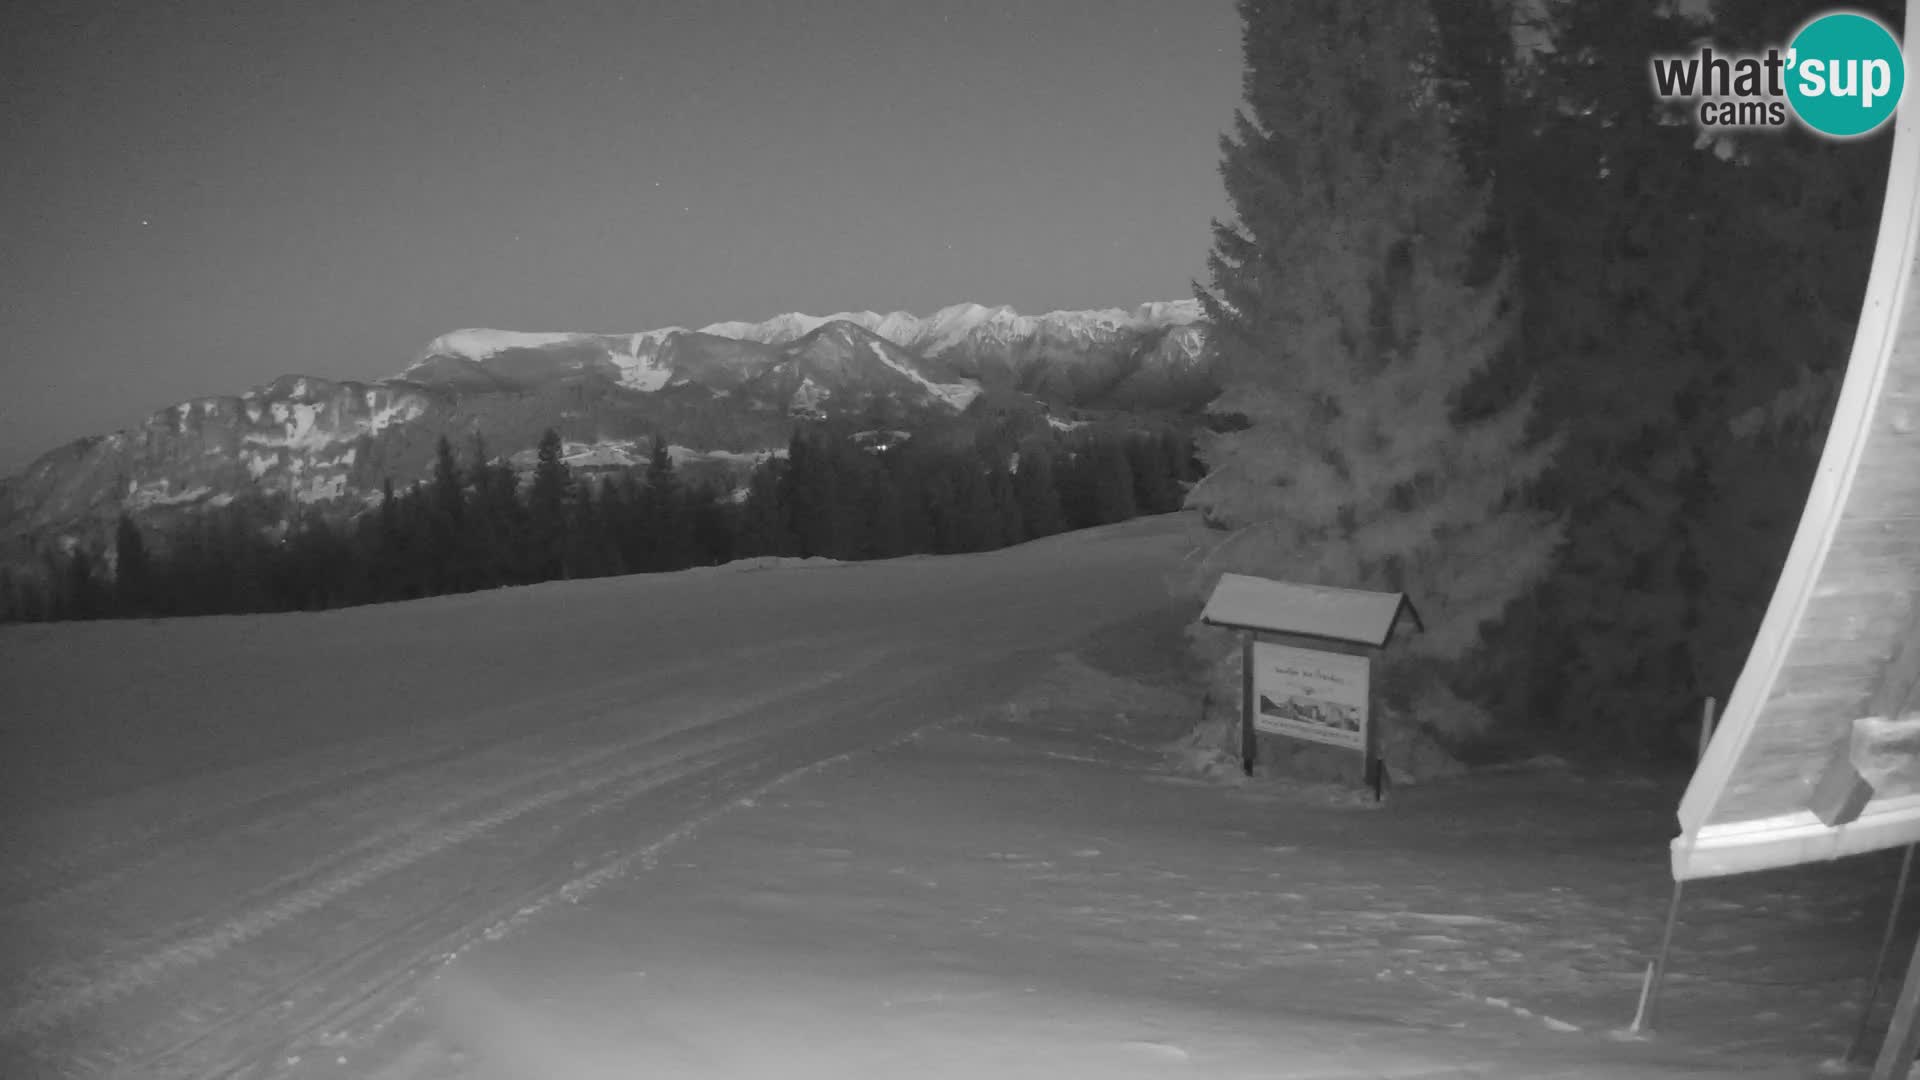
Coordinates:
478 524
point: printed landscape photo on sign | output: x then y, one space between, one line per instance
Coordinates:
1305 694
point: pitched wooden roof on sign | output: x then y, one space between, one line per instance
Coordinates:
1843 607
1355 615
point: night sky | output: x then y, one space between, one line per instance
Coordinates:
196 198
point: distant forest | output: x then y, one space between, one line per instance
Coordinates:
476 524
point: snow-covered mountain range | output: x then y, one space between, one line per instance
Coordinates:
723 394
994 344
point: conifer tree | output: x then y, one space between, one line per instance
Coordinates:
806 494
1112 478
83 593
907 471
977 526
307 572
712 524
1177 451
821 489
624 506
53 571
1345 331
21 597
1009 522
940 504
590 551
1616 251
1034 490
449 521
244 556
500 531
547 511
884 532
1153 487
1078 487
664 512
133 571
764 517
1782 295
416 533
388 545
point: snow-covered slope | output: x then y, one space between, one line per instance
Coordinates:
802 822
479 344
841 359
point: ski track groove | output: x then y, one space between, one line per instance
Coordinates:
386 973
25 864
496 925
383 792
69 983
81 884
40 1015
377 994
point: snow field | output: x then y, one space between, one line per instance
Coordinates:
1037 892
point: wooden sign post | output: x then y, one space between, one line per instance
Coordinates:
1307 657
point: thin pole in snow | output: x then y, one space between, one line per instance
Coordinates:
1249 744
1880 962
1657 971
1640 1010
1902 1041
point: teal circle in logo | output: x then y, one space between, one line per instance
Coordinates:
1846 74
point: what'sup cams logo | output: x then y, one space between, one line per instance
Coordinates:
1842 76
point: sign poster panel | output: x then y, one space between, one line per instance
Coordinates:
1305 694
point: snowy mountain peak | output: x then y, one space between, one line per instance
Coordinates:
1176 312
479 343
841 329
943 328
777 330
952 325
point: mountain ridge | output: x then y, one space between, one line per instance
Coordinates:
939 331
727 395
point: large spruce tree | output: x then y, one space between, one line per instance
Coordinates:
132 569
1681 289
666 531
1617 232
548 544
1346 323
1794 219
1039 499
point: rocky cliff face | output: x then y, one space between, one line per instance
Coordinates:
723 395
316 440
